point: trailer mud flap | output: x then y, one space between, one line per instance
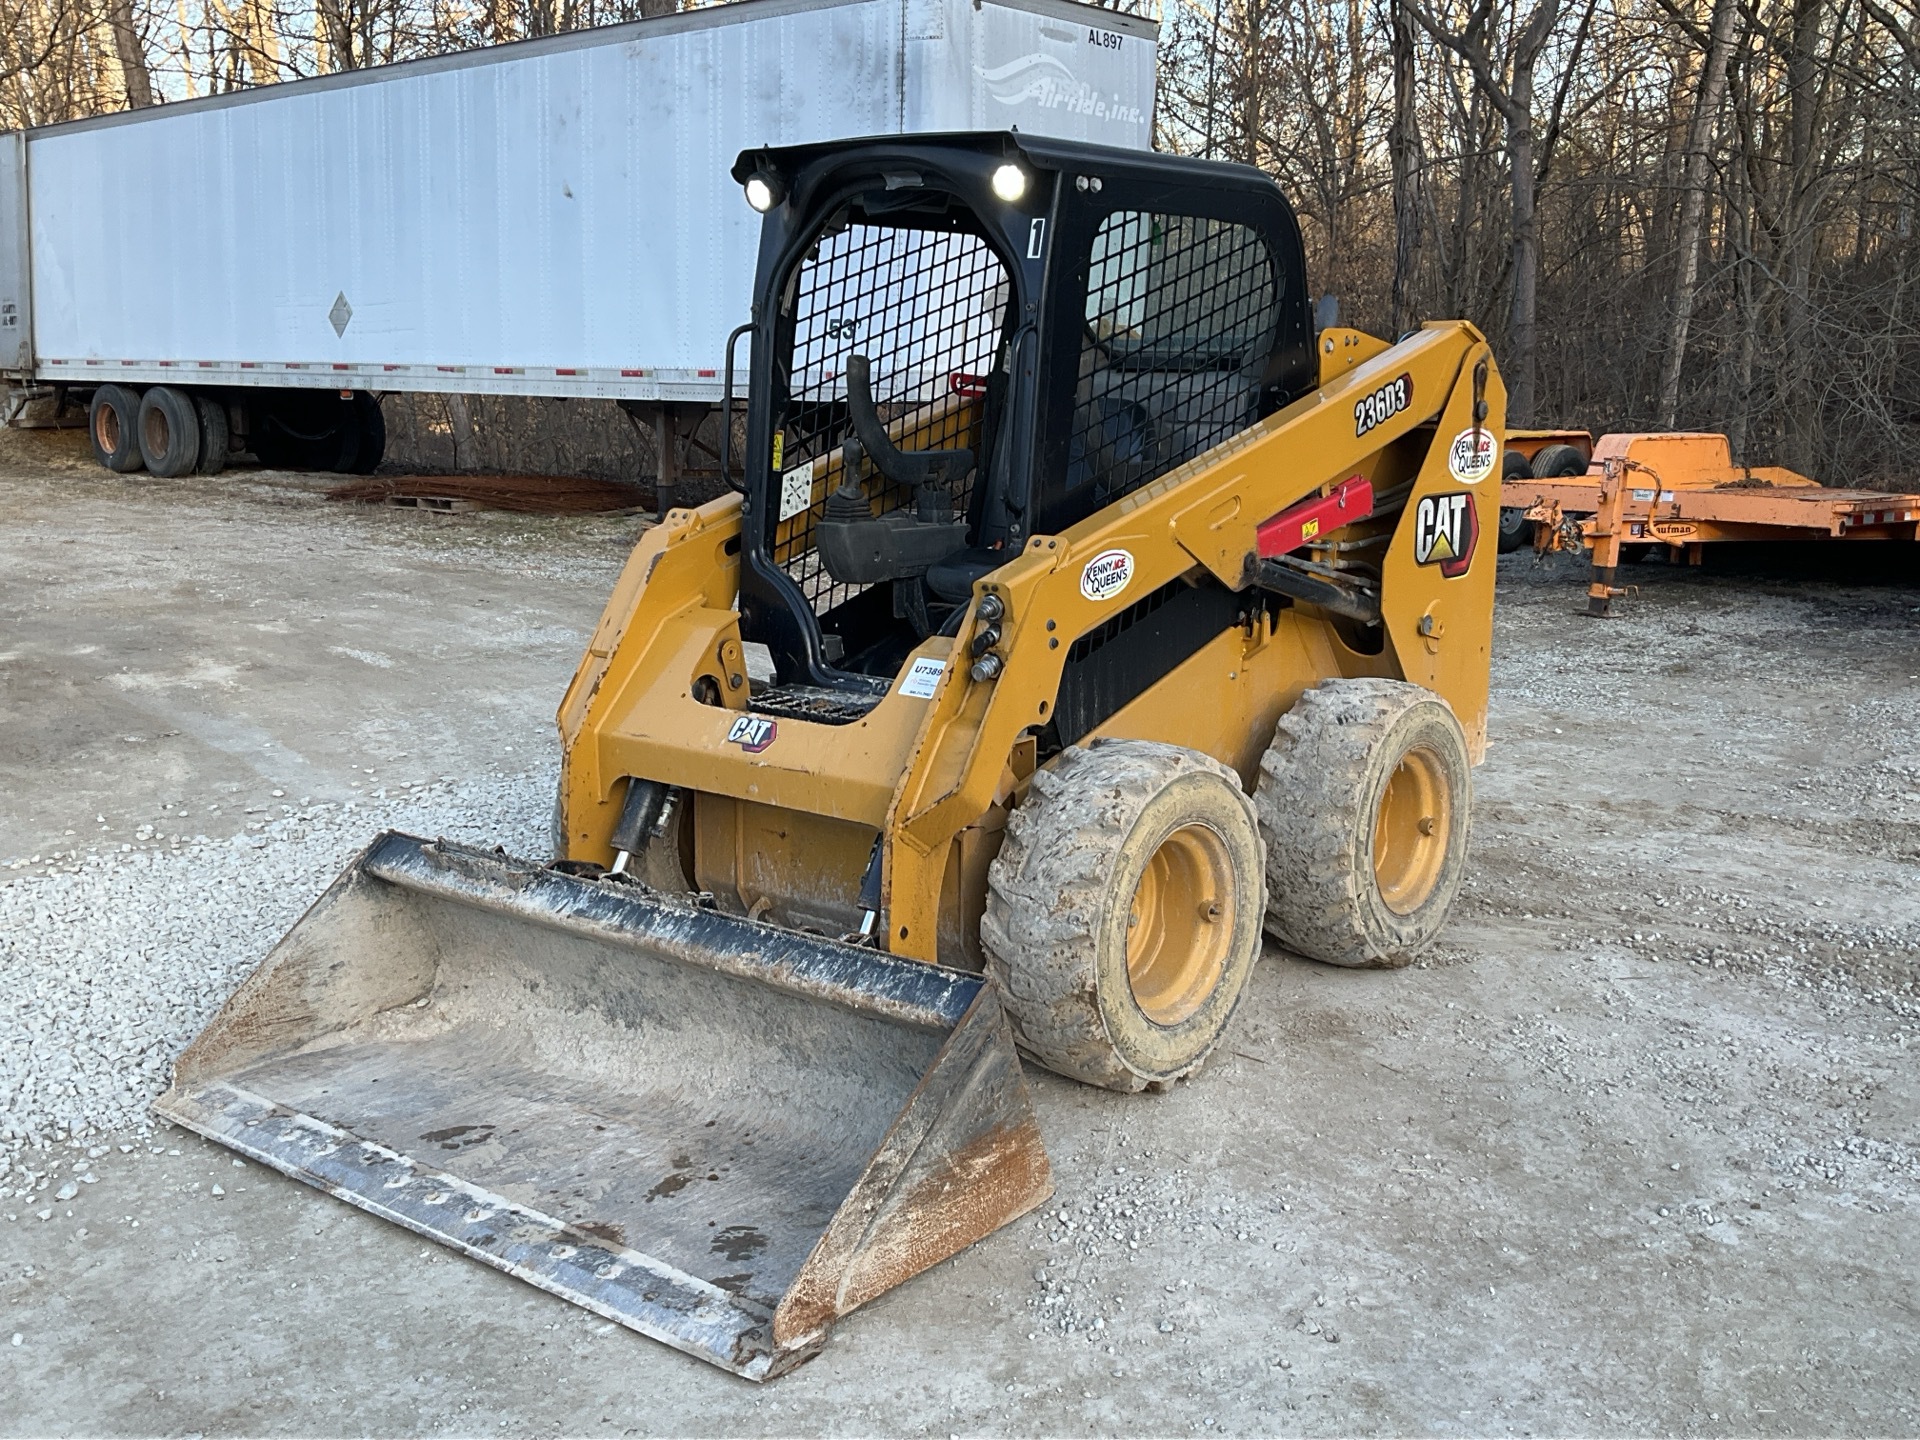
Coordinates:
718 1133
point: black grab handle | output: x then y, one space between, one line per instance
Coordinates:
726 413
916 468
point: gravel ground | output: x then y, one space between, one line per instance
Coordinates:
1633 1150
199 800
114 959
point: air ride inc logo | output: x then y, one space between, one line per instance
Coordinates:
1048 84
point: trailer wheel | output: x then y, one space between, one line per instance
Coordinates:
169 431
1557 462
370 435
1515 529
216 438
1123 912
1365 800
332 426
113 425
308 430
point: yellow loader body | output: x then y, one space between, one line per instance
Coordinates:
783 832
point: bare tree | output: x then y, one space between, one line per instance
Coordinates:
128 48
1403 148
1706 112
1666 211
1510 88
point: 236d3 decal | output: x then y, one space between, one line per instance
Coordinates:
1382 405
1445 530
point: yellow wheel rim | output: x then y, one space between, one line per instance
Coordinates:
1411 832
1180 925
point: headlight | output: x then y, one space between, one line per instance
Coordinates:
1009 183
763 192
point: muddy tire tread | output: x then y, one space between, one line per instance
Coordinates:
1317 861
1045 887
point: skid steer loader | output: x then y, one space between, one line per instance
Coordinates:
1084 614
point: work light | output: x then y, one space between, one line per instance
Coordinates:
1009 183
763 191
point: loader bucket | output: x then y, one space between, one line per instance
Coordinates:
718 1133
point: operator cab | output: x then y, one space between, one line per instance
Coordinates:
962 341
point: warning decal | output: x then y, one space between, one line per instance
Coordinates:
796 490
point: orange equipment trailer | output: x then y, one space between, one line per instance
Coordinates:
1681 491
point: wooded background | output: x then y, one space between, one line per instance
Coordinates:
1665 212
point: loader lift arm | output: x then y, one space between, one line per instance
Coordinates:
1206 516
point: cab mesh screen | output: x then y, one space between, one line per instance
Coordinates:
1179 322
925 307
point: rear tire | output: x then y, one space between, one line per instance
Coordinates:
113 425
1365 800
169 431
1123 912
1558 462
216 438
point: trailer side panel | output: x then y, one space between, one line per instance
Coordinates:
16 289
554 218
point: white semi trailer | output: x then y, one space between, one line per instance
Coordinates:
556 217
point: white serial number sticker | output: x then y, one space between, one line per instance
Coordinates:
796 490
921 678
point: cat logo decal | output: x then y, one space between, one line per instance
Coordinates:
1445 530
752 733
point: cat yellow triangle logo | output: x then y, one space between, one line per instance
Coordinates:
1445 528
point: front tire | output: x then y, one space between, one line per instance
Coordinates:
310 430
1365 800
370 427
1123 912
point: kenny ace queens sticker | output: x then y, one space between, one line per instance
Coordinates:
1472 456
1106 575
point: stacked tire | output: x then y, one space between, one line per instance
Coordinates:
169 431
1550 462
